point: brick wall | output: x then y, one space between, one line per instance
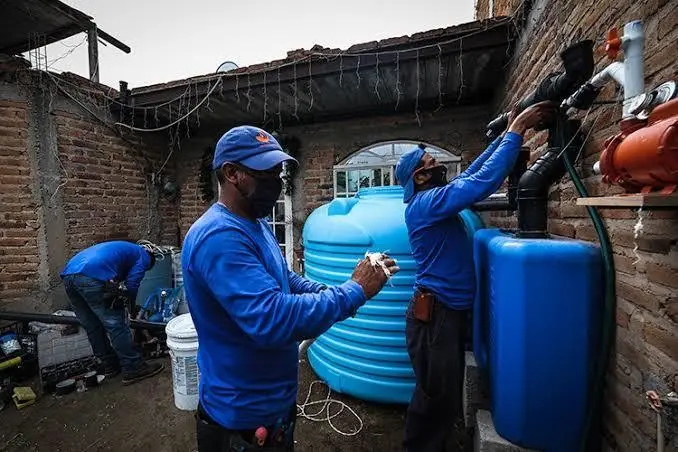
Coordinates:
327 144
193 202
500 7
324 145
646 353
69 180
18 217
107 191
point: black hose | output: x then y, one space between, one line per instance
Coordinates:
597 381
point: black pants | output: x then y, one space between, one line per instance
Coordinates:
214 438
436 349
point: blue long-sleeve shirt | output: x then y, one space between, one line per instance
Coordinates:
250 312
114 260
440 246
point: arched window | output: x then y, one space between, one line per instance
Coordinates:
374 166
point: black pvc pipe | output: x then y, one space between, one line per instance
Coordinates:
507 203
533 187
514 176
493 205
578 64
66 320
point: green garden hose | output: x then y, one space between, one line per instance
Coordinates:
597 383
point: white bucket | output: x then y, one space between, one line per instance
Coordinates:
182 341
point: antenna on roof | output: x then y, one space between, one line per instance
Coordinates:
226 66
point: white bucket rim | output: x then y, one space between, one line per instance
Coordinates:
181 327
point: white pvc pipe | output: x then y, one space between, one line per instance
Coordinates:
615 71
633 45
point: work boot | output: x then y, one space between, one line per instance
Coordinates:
111 372
145 370
109 368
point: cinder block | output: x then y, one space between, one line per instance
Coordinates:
53 348
488 440
476 391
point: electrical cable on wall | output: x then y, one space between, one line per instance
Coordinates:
165 127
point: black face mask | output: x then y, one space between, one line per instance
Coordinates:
438 175
266 193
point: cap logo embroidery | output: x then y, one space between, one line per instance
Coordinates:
262 137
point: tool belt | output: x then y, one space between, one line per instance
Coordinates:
278 437
422 306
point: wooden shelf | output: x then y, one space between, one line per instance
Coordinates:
631 200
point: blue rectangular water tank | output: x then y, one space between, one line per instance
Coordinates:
536 331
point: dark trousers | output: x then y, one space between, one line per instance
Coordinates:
108 329
212 437
436 349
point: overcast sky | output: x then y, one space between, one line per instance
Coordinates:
174 39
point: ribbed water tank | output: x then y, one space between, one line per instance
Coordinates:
365 356
158 277
536 331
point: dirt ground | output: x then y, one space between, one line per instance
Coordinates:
114 417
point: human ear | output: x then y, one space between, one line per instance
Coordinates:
421 177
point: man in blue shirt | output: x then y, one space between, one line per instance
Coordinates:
436 323
250 311
92 278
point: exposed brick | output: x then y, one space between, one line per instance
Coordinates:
637 296
663 339
561 228
662 274
622 319
624 264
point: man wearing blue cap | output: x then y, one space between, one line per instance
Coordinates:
436 323
250 311
92 279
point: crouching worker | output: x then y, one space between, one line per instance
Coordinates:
93 279
250 311
436 323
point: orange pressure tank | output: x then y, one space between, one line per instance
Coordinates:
644 155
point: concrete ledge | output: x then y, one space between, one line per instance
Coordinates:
488 440
476 392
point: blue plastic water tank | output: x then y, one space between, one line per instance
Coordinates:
158 277
536 321
365 356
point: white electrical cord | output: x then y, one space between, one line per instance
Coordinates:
326 403
158 250
637 230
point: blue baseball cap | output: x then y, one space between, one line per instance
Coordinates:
405 168
251 147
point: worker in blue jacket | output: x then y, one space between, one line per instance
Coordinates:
250 311
93 279
437 316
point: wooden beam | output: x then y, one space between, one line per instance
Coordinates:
629 201
93 43
58 35
114 42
